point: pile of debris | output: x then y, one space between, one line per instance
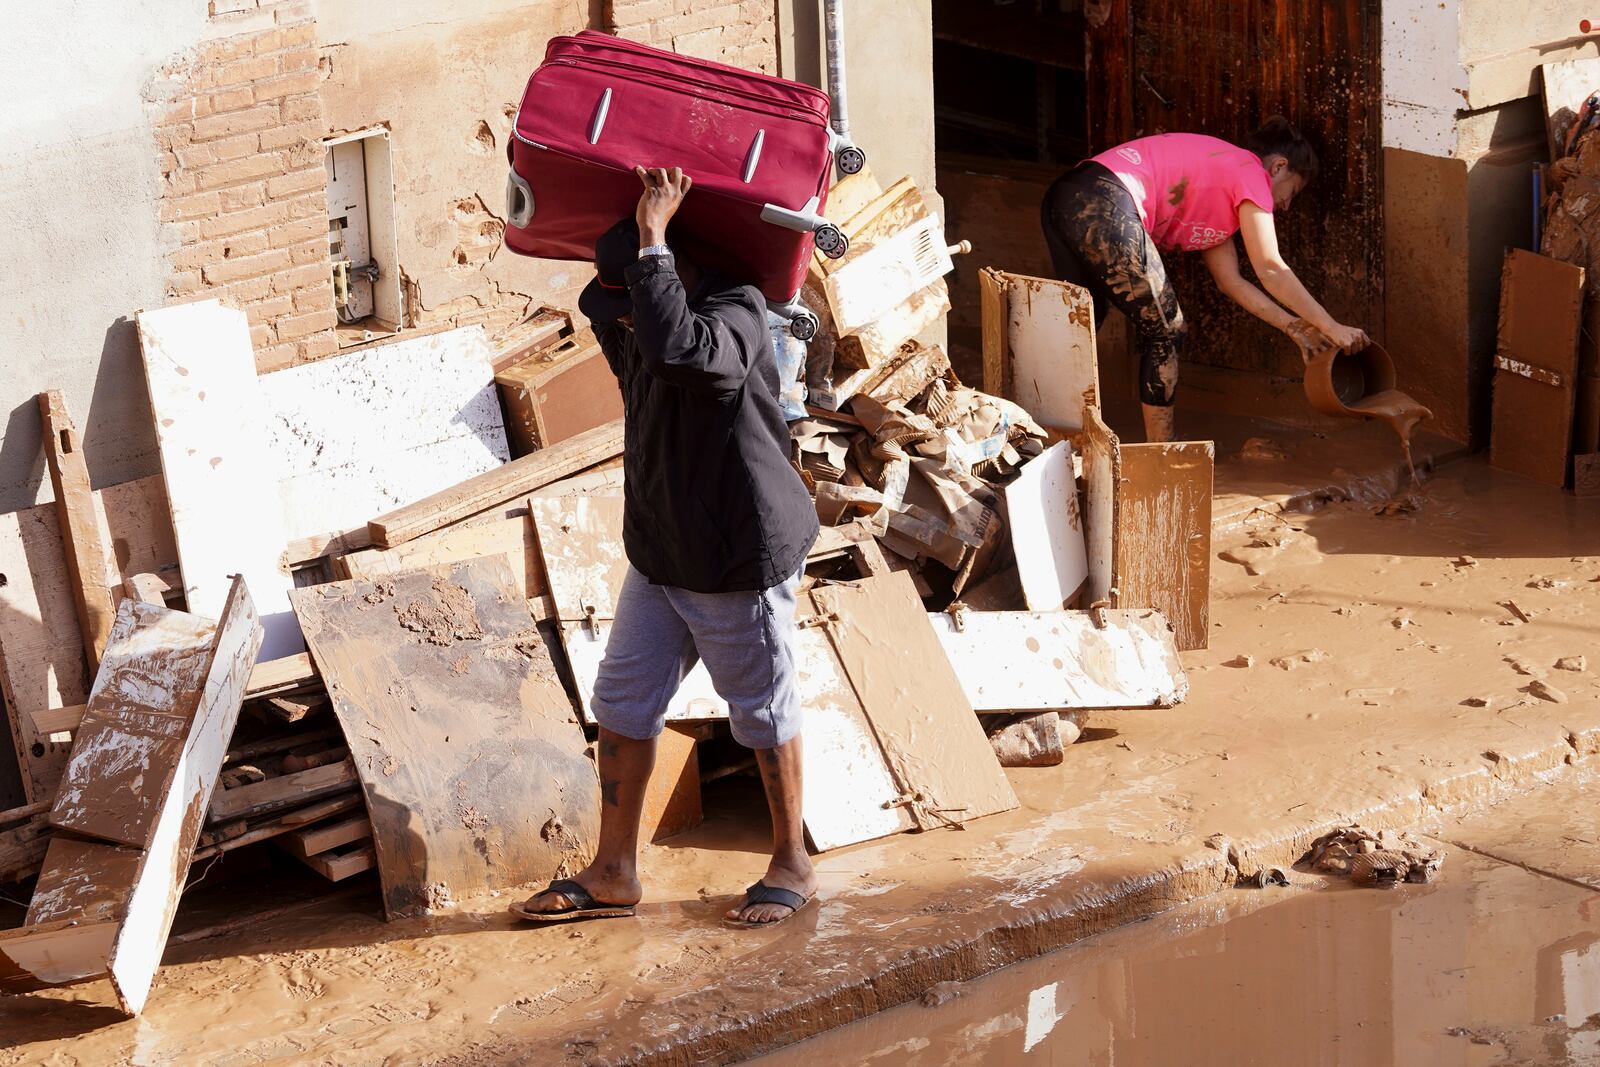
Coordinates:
311 634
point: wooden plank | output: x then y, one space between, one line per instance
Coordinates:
1565 85
514 479
672 799
1102 472
220 478
80 530
545 327
369 431
293 709
284 791
1163 534
282 675
315 839
58 720
336 867
134 891
1046 526
1039 347
1541 303
1022 661
512 538
213 844
472 765
943 766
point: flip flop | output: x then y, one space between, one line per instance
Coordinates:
583 906
762 893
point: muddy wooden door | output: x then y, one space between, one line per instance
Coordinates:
1221 68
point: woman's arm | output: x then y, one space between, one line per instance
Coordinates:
1261 245
1223 262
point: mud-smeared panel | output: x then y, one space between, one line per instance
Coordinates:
942 763
459 728
580 538
1163 534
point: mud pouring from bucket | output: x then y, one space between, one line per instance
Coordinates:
1361 385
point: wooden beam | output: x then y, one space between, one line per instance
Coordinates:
316 839
338 866
517 478
288 822
284 791
80 530
281 676
59 720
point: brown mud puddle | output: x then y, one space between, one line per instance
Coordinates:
1491 964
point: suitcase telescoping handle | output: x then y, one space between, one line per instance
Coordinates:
831 241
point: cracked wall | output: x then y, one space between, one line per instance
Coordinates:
447 85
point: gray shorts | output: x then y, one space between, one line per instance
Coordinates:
746 639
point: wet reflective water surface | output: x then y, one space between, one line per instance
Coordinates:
1492 964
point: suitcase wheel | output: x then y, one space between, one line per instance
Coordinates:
519 201
803 327
831 241
851 159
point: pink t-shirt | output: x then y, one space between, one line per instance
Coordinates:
1189 186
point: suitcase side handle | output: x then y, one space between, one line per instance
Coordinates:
598 123
519 201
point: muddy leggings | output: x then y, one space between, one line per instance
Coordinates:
1097 241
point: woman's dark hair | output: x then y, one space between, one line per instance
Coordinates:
1278 137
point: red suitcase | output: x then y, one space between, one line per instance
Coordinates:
759 150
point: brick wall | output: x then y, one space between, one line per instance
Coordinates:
244 195
740 32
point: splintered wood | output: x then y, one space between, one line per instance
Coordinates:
142 772
471 761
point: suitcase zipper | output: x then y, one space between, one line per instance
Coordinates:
606 42
689 87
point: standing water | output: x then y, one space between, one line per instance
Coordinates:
1490 964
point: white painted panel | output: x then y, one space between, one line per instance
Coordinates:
1050 332
1022 661
1424 81
361 434
136 953
222 485
1047 529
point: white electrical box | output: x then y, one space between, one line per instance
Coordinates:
361 233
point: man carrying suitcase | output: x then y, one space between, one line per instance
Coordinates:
717 524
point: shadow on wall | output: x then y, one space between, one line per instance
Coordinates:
119 441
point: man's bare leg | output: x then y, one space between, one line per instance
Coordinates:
613 877
790 867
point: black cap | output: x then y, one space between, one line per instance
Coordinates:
606 299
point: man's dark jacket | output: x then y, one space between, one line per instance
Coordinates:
712 503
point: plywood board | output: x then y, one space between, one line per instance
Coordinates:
937 753
580 541
1162 535
1039 347
222 484
127 895
1023 661
382 427
471 762
1535 381
1046 526
1566 85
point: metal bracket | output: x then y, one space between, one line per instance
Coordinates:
1097 613
591 621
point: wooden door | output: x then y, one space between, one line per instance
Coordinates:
1163 66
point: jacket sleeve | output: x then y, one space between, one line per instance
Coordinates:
610 346
709 350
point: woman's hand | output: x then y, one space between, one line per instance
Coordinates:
1348 338
1312 341
664 190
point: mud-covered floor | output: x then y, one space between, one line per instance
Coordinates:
1344 680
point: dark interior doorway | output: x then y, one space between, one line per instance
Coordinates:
1010 108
